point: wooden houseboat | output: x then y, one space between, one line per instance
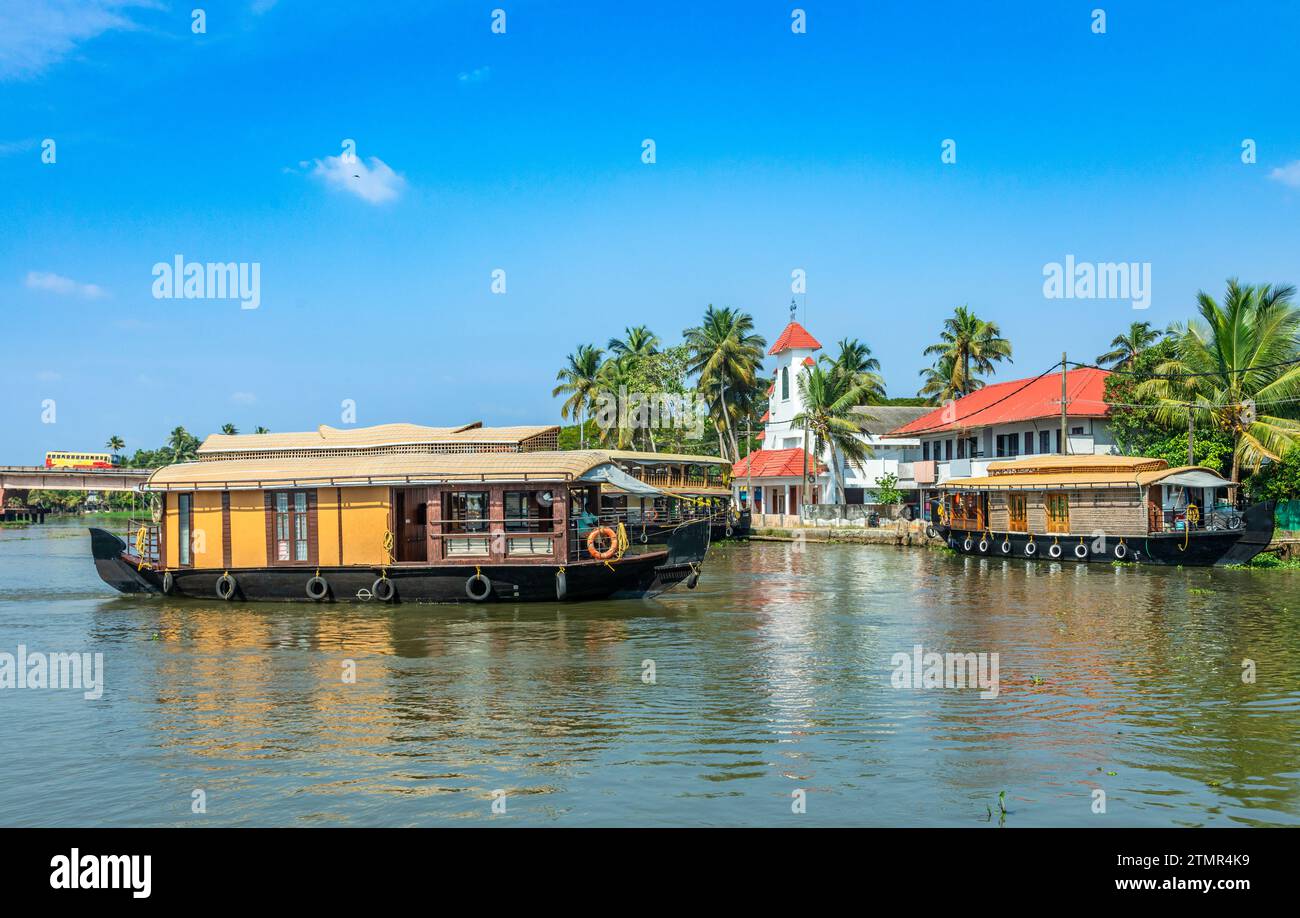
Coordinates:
693 488
1093 508
395 513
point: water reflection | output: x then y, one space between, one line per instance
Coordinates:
773 676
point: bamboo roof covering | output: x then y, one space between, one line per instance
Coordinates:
1057 463
666 458
388 469
380 435
1074 472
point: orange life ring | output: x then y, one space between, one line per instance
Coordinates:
609 534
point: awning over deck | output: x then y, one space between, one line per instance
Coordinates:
612 475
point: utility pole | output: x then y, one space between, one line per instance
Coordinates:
749 466
1065 438
1191 435
803 482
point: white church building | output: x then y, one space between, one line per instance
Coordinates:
775 471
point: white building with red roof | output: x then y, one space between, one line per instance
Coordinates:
776 470
1012 419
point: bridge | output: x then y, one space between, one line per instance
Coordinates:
46 479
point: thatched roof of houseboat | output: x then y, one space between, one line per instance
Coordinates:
1084 472
377 437
627 455
388 469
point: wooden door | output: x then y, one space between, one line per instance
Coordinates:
1058 512
412 510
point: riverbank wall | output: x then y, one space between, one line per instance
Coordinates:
897 532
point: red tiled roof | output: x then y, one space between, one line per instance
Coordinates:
767 416
809 362
1001 403
795 335
771 389
777 463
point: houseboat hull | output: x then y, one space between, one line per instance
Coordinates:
633 576
1200 548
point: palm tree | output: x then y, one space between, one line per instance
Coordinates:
974 346
828 401
638 342
615 378
937 384
116 444
260 429
579 380
183 444
1126 348
229 429
726 355
856 363
1233 367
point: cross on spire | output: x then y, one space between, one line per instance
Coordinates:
793 308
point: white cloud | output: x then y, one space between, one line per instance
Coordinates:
477 75
1288 174
375 183
36 34
9 147
243 398
63 286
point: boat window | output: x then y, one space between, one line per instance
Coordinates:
947 449
185 510
1044 441
1029 442
465 511
961 448
530 511
290 525
925 451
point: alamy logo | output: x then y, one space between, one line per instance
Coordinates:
945 670
197 280
103 871
1107 280
53 670
651 411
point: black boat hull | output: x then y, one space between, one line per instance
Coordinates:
1201 548
633 576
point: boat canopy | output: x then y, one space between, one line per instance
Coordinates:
612 475
389 469
1085 472
643 458
1193 478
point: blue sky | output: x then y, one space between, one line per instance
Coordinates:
522 151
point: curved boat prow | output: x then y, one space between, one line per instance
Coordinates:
1256 536
109 552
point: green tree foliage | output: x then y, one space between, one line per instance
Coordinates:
887 491
967 346
1141 429
1237 365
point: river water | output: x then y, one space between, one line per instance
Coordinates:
774 677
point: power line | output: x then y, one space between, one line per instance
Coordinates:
948 424
1265 366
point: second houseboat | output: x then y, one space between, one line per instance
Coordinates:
1102 508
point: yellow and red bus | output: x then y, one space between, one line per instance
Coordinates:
82 461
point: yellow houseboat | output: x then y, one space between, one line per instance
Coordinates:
396 512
